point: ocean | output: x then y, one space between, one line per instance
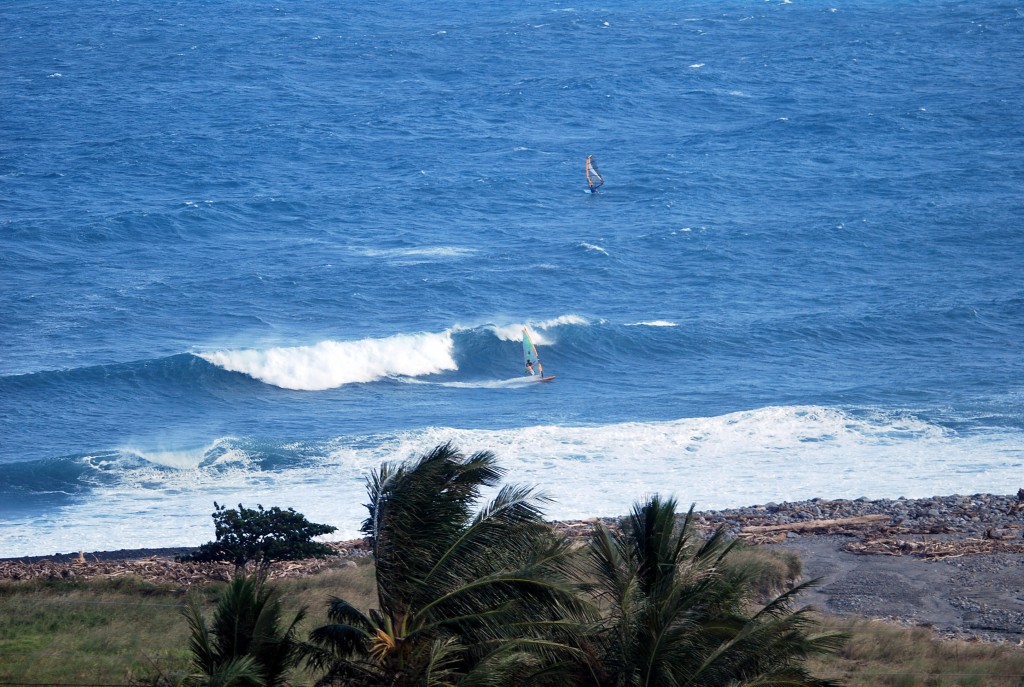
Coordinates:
250 251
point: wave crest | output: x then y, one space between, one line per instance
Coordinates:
514 332
331 364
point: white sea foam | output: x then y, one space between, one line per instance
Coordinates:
330 364
419 252
514 331
184 458
490 384
743 458
561 320
653 323
590 246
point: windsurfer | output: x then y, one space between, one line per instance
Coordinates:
530 357
594 178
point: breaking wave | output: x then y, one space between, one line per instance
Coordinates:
331 364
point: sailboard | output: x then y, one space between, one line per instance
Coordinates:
532 360
594 178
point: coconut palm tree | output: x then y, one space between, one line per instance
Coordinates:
246 644
675 617
463 598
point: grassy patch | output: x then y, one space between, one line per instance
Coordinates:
769 571
883 655
102 631
111 631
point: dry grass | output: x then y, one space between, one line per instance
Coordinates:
884 655
768 571
111 631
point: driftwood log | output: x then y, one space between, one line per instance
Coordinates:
814 525
932 549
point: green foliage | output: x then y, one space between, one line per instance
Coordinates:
261 536
464 598
495 599
245 645
674 617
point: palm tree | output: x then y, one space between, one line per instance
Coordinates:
245 645
674 617
463 598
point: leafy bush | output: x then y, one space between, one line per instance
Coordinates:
261 536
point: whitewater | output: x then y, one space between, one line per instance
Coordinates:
249 252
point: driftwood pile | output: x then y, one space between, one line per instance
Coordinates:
932 549
873 534
773 534
165 569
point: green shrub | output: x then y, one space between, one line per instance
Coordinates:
261 536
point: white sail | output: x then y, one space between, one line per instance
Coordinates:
594 178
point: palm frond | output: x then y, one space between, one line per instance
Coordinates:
415 511
204 655
506 532
342 612
337 640
246 624
676 617
238 672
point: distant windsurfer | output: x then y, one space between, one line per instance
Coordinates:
594 178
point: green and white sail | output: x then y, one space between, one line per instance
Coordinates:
530 356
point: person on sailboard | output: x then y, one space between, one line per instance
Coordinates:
530 367
594 178
530 356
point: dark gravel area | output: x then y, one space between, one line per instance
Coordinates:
976 596
951 563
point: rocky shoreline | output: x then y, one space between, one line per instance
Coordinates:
953 563
999 517
929 527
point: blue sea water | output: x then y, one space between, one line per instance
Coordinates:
252 250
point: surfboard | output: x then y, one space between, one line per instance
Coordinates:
545 379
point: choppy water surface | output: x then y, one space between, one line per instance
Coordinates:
250 251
